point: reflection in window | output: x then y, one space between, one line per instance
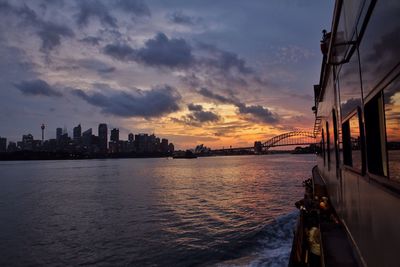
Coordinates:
328 144
352 155
323 144
379 49
355 140
350 86
392 115
335 137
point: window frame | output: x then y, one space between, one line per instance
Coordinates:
383 150
346 135
335 137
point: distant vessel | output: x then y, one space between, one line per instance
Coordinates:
350 213
185 155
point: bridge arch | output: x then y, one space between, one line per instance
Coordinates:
290 138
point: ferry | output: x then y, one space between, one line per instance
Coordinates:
350 214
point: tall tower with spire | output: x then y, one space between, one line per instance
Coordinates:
42 127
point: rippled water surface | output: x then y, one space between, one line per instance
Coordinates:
219 211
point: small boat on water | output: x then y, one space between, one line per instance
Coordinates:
349 214
185 155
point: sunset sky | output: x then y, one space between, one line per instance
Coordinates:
217 73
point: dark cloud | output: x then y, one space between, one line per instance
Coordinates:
157 52
350 105
219 98
37 88
51 34
256 112
224 60
136 7
162 51
230 129
193 107
203 116
92 40
96 65
93 8
199 115
120 51
139 103
179 18
26 13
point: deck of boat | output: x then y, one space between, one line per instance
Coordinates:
336 245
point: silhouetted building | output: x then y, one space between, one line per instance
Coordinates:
59 133
83 144
141 142
77 134
201 149
171 148
114 144
27 142
157 144
164 145
123 146
103 137
95 144
50 145
257 146
87 139
131 143
12 147
114 135
3 144
42 127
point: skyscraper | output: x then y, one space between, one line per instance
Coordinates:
77 134
42 127
3 144
87 138
114 135
164 145
59 132
103 137
130 137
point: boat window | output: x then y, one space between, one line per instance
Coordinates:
375 136
323 145
346 143
335 137
392 115
349 86
382 126
346 31
379 47
318 148
352 153
328 144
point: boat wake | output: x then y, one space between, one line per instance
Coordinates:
273 245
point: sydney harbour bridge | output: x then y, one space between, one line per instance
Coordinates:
295 138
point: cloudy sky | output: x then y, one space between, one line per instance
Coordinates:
214 72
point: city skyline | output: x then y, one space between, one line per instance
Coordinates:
183 70
86 143
51 133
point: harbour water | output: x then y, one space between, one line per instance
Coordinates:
215 211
